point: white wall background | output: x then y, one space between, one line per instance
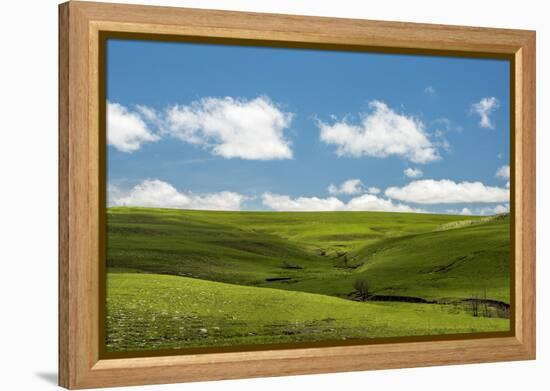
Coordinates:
28 194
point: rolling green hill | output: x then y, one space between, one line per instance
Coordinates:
148 311
428 256
278 265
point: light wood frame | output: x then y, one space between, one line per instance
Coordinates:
80 165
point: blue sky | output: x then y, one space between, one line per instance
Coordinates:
228 127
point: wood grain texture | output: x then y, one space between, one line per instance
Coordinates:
76 289
63 178
80 365
291 28
526 93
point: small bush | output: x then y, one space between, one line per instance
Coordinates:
362 288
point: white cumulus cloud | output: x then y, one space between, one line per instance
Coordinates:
365 202
349 187
498 209
233 128
484 108
373 190
148 113
160 194
488 211
381 133
370 202
463 211
413 172
301 204
503 172
126 130
445 191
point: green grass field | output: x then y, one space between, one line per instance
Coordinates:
181 279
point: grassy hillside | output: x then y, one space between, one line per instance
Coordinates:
149 311
197 278
471 260
435 257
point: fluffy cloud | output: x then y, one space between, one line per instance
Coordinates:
489 211
349 187
365 202
484 108
301 204
463 211
413 172
126 130
232 128
352 187
159 194
373 203
429 191
503 172
381 133
498 209
148 113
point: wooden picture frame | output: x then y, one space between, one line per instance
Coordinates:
81 164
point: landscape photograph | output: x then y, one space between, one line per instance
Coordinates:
260 197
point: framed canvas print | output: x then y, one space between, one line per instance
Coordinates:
248 195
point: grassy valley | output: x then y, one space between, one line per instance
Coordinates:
179 278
